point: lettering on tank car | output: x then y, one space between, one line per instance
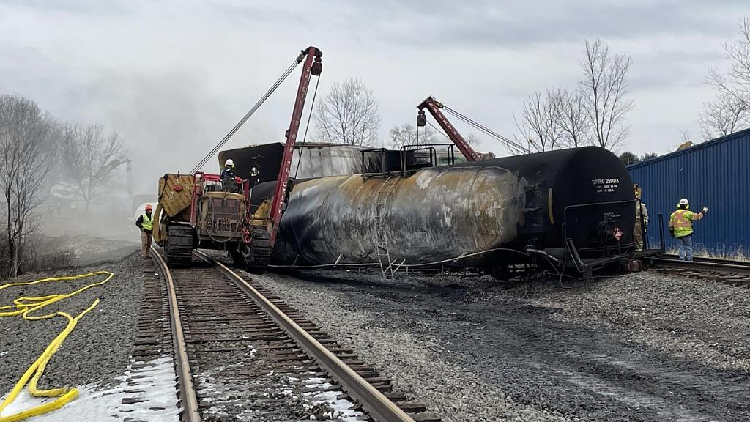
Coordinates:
605 185
611 217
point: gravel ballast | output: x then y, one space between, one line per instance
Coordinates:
98 348
640 347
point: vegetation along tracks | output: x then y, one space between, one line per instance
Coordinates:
241 352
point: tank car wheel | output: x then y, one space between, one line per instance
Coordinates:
501 272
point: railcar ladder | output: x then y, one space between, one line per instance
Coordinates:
381 233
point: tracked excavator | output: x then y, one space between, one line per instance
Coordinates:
202 210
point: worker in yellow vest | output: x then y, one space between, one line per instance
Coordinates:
146 223
681 228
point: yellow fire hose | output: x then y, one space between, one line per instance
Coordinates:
26 305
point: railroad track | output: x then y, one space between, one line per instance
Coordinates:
720 270
241 353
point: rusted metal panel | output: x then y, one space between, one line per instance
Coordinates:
175 193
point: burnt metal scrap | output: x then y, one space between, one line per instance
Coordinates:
563 207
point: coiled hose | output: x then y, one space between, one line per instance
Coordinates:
25 306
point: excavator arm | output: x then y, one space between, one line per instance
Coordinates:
434 106
313 66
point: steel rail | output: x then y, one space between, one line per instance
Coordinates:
373 401
187 390
704 264
721 261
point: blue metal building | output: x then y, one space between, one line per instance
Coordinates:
715 174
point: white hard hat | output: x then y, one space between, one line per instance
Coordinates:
683 201
229 163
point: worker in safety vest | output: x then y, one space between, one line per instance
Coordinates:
640 228
681 228
146 223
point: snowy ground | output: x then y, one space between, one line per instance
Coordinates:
147 394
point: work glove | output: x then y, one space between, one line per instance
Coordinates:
705 210
671 231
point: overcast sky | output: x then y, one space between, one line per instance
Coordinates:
174 76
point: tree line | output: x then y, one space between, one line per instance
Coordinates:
37 151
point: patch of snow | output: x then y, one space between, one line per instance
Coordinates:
158 385
342 409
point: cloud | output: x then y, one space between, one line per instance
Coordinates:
174 76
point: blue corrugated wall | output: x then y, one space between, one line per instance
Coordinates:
715 174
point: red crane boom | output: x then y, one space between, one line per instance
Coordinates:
434 106
313 66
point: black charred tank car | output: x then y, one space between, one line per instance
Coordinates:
566 208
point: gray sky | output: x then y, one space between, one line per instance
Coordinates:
175 76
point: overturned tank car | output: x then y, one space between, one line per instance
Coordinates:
571 208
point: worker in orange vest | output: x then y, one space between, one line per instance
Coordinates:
681 228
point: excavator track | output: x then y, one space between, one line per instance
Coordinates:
259 251
178 247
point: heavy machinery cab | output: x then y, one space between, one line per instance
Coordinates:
219 209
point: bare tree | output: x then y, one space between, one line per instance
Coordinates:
25 159
540 124
348 115
472 139
604 90
90 156
730 111
736 82
724 115
407 134
573 119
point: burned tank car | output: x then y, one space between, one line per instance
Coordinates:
434 214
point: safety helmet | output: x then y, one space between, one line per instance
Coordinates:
148 207
684 201
229 163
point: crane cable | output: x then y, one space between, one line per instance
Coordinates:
437 130
247 115
307 126
483 128
24 306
